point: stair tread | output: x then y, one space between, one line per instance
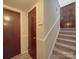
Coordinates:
68 31
67 46
67 54
67 35
68 28
64 45
67 40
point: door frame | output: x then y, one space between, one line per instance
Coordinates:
17 11
36 25
11 8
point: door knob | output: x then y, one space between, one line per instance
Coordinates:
34 37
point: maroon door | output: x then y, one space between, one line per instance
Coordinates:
32 33
11 34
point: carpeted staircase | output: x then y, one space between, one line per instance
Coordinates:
65 47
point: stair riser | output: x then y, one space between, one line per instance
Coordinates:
64 48
70 33
68 29
67 37
54 57
60 55
66 42
56 53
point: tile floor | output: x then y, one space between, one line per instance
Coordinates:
22 56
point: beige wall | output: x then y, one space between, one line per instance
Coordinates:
40 20
40 30
24 32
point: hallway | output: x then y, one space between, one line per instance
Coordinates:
33 29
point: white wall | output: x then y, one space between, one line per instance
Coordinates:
51 25
51 39
51 12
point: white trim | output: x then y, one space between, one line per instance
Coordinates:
21 32
11 8
58 18
24 52
32 7
16 10
53 45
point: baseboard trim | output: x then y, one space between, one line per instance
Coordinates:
24 52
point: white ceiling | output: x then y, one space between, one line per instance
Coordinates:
26 4
65 2
20 4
